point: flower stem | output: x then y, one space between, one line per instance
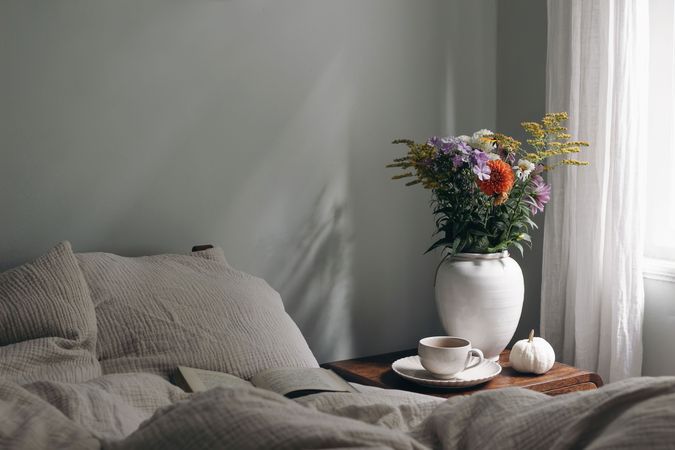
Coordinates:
516 208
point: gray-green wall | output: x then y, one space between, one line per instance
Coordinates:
521 96
148 126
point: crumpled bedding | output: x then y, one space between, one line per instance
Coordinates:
47 414
143 411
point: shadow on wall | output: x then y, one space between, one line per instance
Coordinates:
294 206
315 277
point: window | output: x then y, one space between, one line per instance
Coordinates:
660 170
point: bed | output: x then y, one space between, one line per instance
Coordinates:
88 343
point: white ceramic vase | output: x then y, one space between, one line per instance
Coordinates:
480 298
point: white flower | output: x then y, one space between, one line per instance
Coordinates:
464 138
479 140
523 169
493 156
482 133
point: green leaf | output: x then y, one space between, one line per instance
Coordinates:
519 247
455 245
496 248
437 244
530 222
479 232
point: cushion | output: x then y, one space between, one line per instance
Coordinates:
47 321
157 312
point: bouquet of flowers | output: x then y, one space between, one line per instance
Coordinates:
486 187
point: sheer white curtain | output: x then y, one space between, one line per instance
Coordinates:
592 289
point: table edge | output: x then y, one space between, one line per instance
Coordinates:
584 376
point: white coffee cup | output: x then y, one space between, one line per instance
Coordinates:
446 356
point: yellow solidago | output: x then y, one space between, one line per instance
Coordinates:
550 139
570 162
506 142
416 159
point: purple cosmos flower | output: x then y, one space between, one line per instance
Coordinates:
433 141
447 145
463 147
541 194
459 151
479 165
441 144
482 171
479 157
458 160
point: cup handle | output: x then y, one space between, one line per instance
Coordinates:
476 352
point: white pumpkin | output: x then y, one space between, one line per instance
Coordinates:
532 355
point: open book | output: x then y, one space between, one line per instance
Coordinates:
291 382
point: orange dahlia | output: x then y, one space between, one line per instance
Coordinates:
501 178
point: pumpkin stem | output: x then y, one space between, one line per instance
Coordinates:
530 338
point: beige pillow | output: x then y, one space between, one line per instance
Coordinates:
47 321
157 312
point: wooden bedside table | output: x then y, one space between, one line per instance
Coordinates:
376 371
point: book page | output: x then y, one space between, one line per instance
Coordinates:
286 380
202 380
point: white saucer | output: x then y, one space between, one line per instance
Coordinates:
411 369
